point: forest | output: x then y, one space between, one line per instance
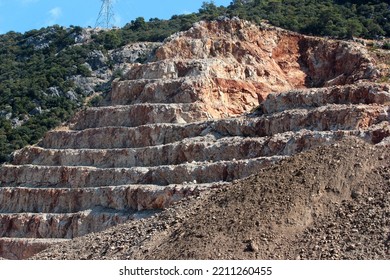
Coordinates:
337 19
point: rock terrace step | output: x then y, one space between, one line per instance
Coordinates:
180 90
137 115
325 118
87 177
367 93
64 226
120 198
199 149
24 248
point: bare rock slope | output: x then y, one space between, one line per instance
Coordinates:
218 103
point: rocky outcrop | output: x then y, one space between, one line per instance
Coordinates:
271 55
104 66
139 114
367 93
213 105
132 53
23 248
231 66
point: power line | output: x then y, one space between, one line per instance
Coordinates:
106 15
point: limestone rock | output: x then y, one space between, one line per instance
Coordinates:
133 53
212 105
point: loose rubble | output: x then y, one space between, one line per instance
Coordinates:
328 203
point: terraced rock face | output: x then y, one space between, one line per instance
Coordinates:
182 123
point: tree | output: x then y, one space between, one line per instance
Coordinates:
138 24
209 10
354 28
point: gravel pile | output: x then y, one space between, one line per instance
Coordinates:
332 202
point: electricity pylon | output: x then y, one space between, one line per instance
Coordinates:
106 15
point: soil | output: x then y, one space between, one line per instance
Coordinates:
332 202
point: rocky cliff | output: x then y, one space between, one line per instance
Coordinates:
215 104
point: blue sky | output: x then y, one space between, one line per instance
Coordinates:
24 15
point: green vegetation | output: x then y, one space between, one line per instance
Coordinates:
386 46
35 67
335 18
34 72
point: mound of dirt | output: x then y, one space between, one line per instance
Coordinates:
328 203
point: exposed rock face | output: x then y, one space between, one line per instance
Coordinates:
132 53
23 248
181 123
99 64
367 93
231 66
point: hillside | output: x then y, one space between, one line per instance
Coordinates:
212 105
47 74
329 203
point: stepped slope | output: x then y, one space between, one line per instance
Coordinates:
218 103
331 202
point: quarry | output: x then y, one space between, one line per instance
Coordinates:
185 138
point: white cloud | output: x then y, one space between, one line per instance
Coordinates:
54 15
55 12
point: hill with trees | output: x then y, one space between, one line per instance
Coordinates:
37 69
36 92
